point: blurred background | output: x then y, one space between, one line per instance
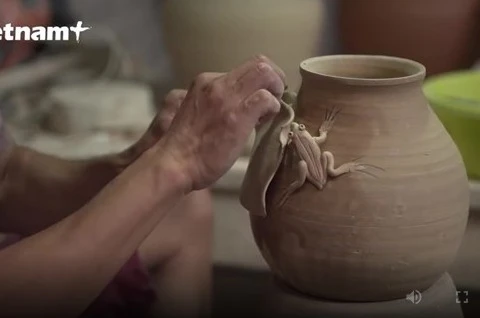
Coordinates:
95 97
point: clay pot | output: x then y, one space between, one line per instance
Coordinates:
442 35
217 35
374 234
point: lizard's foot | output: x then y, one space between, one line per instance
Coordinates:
360 167
329 120
350 167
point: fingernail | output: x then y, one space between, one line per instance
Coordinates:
264 67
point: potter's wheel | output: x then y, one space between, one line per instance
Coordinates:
475 194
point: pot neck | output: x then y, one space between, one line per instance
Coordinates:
359 81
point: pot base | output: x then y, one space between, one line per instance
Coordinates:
440 300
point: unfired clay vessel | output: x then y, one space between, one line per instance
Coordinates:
365 197
217 35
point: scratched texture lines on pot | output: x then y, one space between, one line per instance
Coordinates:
347 138
380 250
374 202
400 262
360 221
403 170
354 235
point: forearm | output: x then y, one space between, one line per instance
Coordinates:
62 269
38 190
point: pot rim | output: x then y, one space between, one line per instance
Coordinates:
414 71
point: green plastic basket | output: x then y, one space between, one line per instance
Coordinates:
455 98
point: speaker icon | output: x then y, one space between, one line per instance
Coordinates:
415 297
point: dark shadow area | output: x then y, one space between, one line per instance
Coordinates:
472 308
240 292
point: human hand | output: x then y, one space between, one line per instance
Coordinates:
159 125
218 115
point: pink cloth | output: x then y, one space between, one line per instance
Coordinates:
129 294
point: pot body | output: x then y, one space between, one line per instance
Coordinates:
442 35
368 237
217 35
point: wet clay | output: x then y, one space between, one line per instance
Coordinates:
370 236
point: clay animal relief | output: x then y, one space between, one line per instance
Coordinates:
315 165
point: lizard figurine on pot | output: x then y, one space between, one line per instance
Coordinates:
315 165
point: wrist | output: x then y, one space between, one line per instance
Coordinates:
168 168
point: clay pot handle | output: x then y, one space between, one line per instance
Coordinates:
270 141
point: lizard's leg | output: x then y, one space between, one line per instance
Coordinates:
330 115
321 138
333 172
295 185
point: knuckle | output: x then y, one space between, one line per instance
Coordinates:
261 58
266 72
228 118
202 80
231 119
215 93
232 83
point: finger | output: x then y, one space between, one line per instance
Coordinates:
175 97
244 68
265 119
203 81
260 76
260 106
160 124
154 131
172 102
